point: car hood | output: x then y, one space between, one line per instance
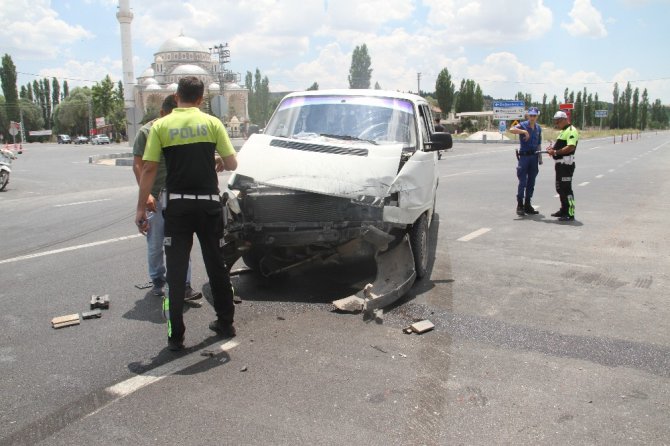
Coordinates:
350 169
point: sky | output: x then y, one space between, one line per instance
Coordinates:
534 46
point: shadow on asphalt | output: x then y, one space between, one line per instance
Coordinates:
166 355
148 309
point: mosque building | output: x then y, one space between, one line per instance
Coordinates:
184 56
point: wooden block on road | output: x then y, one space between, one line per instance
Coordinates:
65 321
422 326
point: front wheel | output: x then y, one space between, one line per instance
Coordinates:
418 238
4 179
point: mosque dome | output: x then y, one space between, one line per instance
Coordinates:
189 70
214 86
234 86
172 87
182 43
149 72
153 87
149 81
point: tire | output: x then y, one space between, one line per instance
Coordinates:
418 238
4 179
252 259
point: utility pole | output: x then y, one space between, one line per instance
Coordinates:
90 118
418 84
23 127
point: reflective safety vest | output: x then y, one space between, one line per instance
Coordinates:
567 137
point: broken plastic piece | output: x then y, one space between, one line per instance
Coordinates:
65 321
351 304
100 301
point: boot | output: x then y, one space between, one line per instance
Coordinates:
519 208
528 209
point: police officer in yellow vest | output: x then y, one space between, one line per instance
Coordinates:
563 152
189 138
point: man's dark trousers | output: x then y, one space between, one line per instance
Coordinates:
526 171
564 174
183 218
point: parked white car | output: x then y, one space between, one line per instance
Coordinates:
338 174
100 139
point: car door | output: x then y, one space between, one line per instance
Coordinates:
416 182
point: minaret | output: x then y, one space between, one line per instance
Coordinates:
125 16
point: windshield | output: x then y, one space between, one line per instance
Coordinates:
378 120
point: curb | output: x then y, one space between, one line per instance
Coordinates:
95 158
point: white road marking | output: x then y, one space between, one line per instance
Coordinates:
125 388
557 263
460 173
599 176
70 248
594 148
475 234
81 202
611 170
584 183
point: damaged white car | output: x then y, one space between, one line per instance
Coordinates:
336 175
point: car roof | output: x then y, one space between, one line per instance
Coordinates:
360 92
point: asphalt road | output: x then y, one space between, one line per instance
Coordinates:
546 332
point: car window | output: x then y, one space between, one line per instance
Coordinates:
379 119
425 122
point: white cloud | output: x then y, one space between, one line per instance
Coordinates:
586 21
84 73
33 30
489 23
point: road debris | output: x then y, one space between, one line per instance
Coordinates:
378 348
193 303
244 369
92 314
419 327
351 304
144 286
100 301
237 299
210 353
66 321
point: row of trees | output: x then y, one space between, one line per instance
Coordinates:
627 110
49 104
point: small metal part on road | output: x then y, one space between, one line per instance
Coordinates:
93 314
210 353
244 369
100 302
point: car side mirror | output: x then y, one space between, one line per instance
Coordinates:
439 141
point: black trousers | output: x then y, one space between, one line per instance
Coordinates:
564 174
183 218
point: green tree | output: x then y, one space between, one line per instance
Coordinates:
644 109
566 97
628 96
119 92
55 92
33 117
103 97
66 89
543 110
445 91
71 115
4 119
9 88
46 86
377 86
259 105
553 109
360 72
469 97
29 89
313 87
615 119
578 111
635 109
